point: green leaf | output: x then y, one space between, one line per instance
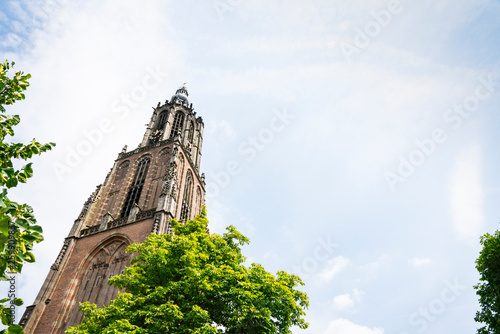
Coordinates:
11 183
21 178
29 257
28 170
36 228
15 329
30 237
4 226
6 318
10 172
22 223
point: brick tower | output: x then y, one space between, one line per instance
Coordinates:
146 187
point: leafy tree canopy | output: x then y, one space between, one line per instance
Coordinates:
195 282
18 227
488 289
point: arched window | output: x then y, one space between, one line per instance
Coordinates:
198 200
121 173
180 167
161 121
177 125
163 162
191 132
186 199
158 129
134 193
107 258
120 176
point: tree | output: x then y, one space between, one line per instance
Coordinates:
191 281
18 226
488 265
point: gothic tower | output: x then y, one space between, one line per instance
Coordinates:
146 187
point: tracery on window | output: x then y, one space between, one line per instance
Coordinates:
157 131
187 197
198 200
134 193
191 132
178 123
121 173
109 259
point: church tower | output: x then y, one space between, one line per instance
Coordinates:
147 186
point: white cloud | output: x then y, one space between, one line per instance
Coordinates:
466 193
343 302
417 262
346 301
344 326
334 266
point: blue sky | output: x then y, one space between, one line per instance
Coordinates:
353 142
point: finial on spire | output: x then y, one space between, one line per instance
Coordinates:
181 95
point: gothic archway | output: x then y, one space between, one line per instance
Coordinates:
107 259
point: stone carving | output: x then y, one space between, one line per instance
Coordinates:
110 250
117 222
145 214
174 152
171 172
94 197
156 224
27 315
169 180
168 230
101 261
121 256
89 230
173 193
61 255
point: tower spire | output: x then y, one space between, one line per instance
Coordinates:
147 186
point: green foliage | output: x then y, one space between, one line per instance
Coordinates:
488 265
194 282
18 229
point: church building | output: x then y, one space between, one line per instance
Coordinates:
146 187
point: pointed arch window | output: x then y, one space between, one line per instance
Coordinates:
111 258
158 129
191 132
161 121
198 200
186 199
177 125
98 280
121 173
135 190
